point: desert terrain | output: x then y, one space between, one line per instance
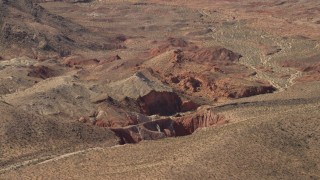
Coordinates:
159 89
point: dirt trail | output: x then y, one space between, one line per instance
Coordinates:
47 159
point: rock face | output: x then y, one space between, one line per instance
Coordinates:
161 103
111 113
128 135
205 117
188 106
164 127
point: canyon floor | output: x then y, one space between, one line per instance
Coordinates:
159 89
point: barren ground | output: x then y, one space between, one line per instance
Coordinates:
156 89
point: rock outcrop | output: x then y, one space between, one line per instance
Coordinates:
152 130
135 127
162 128
211 72
161 103
204 117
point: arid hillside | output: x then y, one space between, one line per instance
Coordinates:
158 89
28 29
